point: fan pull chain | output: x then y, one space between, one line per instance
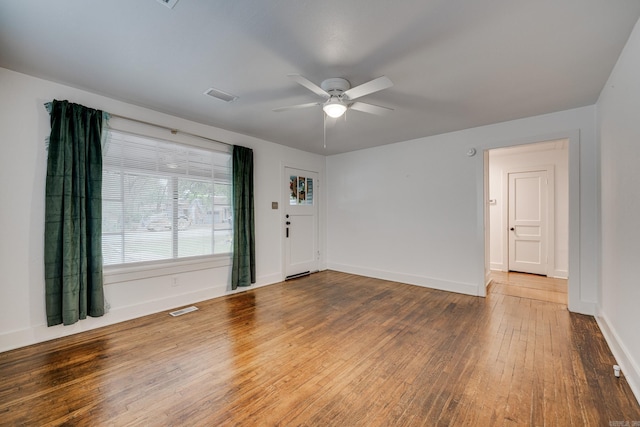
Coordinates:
324 129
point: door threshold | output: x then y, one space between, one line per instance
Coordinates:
295 276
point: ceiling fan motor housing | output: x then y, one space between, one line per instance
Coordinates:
335 86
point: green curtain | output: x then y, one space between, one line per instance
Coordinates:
243 272
73 214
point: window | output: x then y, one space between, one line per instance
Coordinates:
163 201
300 190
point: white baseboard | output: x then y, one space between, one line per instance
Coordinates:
497 266
560 274
426 282
622 355
40 333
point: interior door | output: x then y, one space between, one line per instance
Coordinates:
300 222
528 222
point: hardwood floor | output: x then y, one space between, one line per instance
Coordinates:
331 349
529 286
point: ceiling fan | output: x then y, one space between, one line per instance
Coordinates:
339 95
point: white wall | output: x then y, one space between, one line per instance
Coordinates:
619 127
24 125
554 154
413 211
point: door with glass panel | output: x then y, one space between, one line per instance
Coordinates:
300 222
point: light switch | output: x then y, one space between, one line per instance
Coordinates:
274 205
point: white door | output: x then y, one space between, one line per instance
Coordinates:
528 222
300 222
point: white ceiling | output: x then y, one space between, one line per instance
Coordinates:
455 64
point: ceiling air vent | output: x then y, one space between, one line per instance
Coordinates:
168 3
223 96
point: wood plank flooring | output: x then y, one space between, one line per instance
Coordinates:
331 349
529 286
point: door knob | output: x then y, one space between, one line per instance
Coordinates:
288 223
512 229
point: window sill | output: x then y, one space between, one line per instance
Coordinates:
120 274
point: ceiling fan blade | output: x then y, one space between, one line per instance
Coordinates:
296 107
370 87
303 81
370 108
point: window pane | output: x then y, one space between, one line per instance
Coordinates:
112 249
148 201
222 216
163 200
224 240
143 245
310 191
195 233
112 216
293 190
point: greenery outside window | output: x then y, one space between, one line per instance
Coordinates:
163 201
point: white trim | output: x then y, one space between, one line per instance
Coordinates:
497 266
487 280
483 224
575 303
126 273
574 299
410 279
559 274
622 355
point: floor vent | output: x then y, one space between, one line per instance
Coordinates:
183 311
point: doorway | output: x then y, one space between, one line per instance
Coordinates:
528 210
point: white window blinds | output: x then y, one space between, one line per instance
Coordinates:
163 201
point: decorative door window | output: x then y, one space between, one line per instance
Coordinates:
300 190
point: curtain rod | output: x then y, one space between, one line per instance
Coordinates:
172 130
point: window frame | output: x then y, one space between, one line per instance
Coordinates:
117 273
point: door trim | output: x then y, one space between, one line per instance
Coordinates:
575 301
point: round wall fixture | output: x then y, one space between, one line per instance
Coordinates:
471 152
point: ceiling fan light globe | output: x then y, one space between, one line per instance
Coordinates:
334 109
